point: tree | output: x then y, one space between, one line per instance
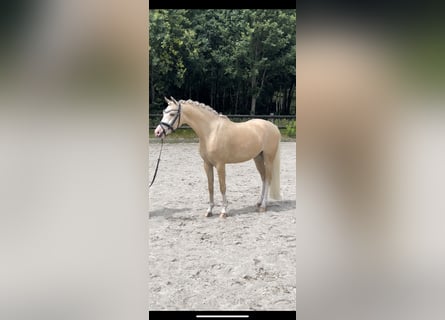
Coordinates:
237 61
271 37
171 39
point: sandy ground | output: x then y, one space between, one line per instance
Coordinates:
244 262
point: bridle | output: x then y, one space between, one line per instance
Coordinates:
169 126
172 123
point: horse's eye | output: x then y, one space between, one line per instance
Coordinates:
172 114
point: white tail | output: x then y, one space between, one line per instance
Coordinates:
275 182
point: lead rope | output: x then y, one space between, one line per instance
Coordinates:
157 164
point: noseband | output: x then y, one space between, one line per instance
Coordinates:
170 125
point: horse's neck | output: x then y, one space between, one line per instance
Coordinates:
199 120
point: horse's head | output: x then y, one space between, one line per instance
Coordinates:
171 119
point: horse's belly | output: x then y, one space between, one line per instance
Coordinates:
239 158
234 154
241 152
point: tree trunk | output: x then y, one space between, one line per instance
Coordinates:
289 98
253 86
212 89
236 101
253 105
223 100
152 87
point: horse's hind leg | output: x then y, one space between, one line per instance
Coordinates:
268 165
209 172
259 163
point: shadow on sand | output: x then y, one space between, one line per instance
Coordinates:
275 206
166 212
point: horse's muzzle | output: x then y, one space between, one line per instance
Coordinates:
159 132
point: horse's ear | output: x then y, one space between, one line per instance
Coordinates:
168 101
176 102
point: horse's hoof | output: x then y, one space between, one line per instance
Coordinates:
223 215
208 214
262 209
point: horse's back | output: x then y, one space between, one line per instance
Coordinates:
265 128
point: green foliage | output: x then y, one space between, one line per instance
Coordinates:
233 60
291 129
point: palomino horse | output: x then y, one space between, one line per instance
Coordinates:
222 141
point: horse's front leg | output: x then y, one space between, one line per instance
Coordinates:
209 172
221 168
